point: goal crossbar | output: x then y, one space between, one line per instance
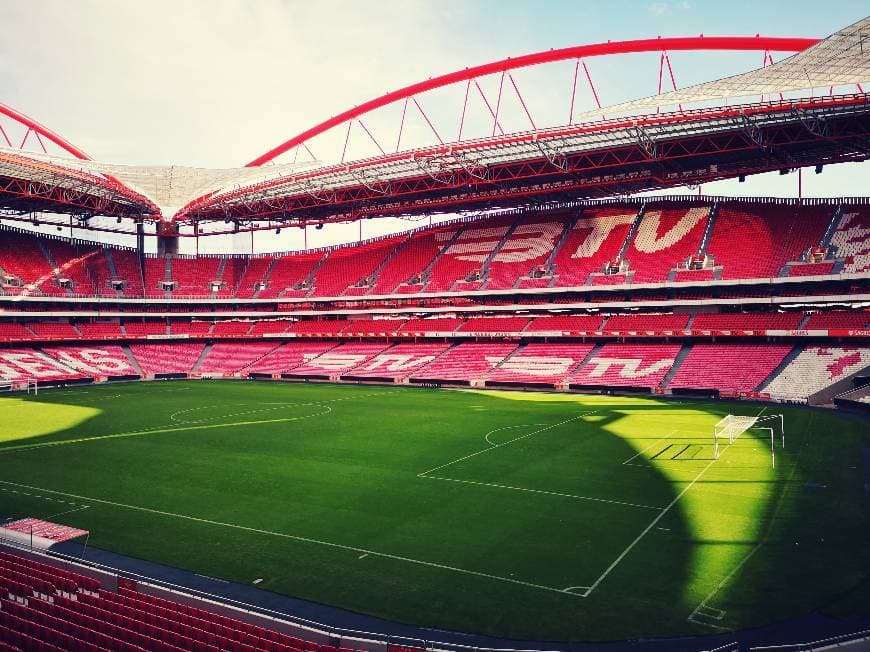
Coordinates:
733 425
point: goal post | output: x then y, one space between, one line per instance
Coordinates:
732 426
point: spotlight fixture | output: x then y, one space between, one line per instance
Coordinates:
741 178
784 171
118 220
318 226
819 169
278 230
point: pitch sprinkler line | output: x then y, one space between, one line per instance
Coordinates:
541 491
295 537
654 522
509 441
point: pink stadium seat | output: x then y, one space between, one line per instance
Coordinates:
851 240
143 329
748 322
418 327
400 361
641 322
341 359
467 252
100 330
756 241
288 271
93 360
175 358
541 363
595 239
630 365
728 367
857 320
230 357
493 325
319 327
665 238
565 324
24 364
14 332
54 330
288 356
468 361
410 259
346 266
530 244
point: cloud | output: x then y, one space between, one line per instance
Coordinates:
662 8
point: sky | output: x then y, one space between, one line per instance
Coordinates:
214 83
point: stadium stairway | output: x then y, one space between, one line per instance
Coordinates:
484 266
678 360
426 273
132 358
202 356
632 232
373 278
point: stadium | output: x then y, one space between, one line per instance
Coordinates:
479 363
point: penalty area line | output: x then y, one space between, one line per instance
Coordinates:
509 441
299 538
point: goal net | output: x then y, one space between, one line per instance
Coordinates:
732 426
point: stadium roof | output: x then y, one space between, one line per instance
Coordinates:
592 157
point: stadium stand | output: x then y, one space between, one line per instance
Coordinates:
96 360
629 365
144 328
287 357
529 246
411 259
399 361
815 368
100 330
465 257
53 330
757 241
340 359
665 238
419 327
227 358
747 321
347 266
729 368
23 364
466 362
47 609
289 274
596 238
493 325
642 322
851 240
844 320
176 358
540 363
566 323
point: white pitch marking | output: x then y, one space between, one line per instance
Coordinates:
639 453
160 430
295 537
509 441
582 591
519 425
654 522
69 511
541 491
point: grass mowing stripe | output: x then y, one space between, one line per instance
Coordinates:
294 537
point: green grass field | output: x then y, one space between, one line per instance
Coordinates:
524 515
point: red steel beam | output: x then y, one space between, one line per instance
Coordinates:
41 130
686 43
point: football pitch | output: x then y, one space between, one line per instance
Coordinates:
522 515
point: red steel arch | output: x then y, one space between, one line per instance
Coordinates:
686 43
43 131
